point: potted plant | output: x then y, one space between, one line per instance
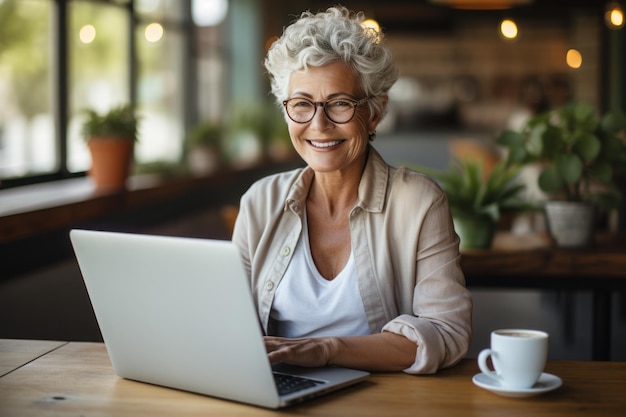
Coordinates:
578 153
110 138
279 146
258 132
476 200
204 148
250 129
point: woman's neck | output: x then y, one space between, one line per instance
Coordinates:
336 192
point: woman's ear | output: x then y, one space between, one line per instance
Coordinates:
376 118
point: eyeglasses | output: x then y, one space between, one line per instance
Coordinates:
338 110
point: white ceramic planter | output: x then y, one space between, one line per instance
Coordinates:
571 224
203 160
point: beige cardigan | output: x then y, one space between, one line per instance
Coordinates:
405 250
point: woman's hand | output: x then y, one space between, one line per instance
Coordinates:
378 352
311 352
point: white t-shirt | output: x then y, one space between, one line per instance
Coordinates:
308 305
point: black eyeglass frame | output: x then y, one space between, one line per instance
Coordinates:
323 105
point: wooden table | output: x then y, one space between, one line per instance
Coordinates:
77 379
17 353
531 261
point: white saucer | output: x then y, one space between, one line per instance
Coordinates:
545 383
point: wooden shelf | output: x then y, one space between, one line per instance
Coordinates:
35 210
534 256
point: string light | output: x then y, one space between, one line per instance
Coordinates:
87 34
614 16
508 29
153 32
372 25
574 59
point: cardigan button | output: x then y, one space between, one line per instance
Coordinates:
269 285
285 251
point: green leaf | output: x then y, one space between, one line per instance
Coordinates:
603 171
569 167
613 122
517 155
587 145
492 210
551 142
550 180
511 192
583 115
614 149
119 121
510 138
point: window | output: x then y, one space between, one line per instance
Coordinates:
98 50
162 69
59 57
27 139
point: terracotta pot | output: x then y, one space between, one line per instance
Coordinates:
110 162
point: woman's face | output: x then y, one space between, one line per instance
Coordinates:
324 145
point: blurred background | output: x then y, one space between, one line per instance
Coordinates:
469 69
467 66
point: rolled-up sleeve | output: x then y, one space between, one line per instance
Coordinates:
441 305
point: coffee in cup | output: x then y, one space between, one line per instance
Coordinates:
518 356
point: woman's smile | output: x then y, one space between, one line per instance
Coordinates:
325 144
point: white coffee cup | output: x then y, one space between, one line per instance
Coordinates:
518 356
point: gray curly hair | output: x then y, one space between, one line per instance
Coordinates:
335 35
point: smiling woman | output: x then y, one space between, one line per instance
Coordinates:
348 227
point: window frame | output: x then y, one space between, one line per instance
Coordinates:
60 89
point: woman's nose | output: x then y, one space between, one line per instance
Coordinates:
320 121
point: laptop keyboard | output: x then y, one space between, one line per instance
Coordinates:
287 384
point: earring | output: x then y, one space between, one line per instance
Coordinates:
372 136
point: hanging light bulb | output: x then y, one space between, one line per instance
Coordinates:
614 16
574 59
209 12
508 29
87 34
372 25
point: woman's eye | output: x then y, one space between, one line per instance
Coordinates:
339 103
302 104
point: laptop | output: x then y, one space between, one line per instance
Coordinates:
178 312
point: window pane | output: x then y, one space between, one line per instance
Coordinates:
27 134
159 9
160 92
212 75
98 41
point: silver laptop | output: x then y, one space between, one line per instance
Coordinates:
178 312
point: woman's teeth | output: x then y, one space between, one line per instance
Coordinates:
325 144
